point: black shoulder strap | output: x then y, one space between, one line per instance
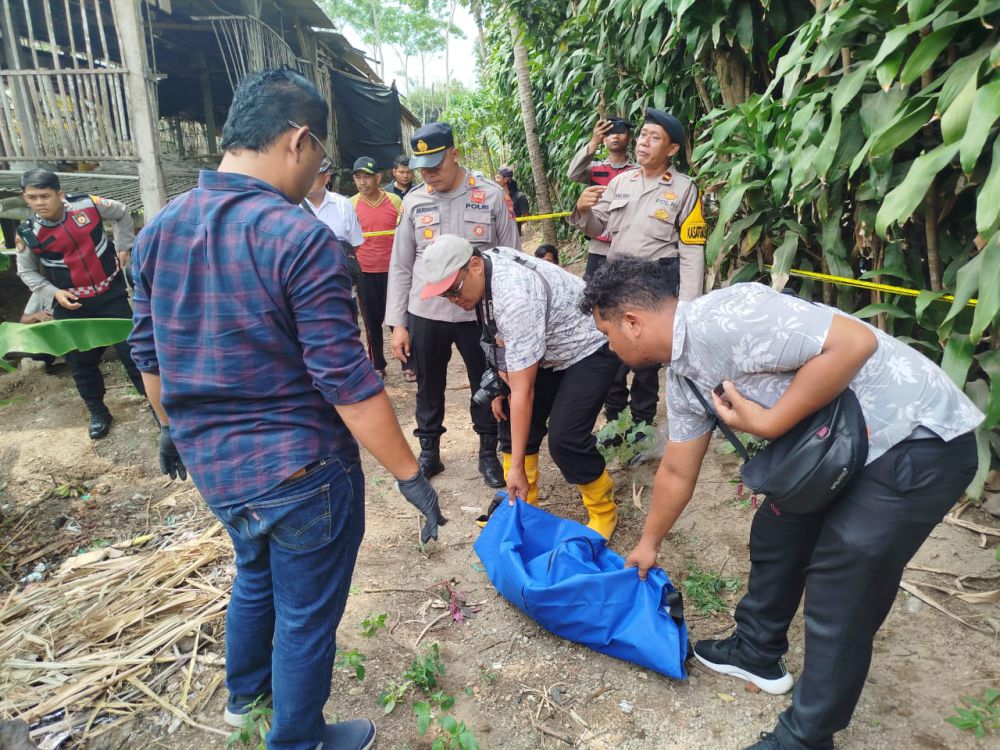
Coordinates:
730 435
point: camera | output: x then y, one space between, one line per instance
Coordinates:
491 386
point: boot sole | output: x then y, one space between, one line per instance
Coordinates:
779 686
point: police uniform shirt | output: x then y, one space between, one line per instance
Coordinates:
583 168
476 210
758 338
652 219
539 321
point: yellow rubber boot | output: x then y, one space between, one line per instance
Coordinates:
530 471
599 500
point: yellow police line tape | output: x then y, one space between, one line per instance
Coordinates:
844 281
536 217
840 280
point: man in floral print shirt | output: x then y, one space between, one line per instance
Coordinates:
780 359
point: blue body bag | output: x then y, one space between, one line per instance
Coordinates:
562 575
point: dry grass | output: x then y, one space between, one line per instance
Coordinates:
100 641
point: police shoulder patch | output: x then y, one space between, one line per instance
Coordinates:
694 230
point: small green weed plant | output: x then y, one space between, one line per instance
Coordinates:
981 716
704 590
256 724
624 439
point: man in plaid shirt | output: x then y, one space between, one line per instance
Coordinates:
248 342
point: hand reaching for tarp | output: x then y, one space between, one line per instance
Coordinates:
421 495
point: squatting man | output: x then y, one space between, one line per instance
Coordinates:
779 359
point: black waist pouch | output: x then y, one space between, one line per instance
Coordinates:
808 467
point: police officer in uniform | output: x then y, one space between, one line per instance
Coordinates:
452 201
654 213
64 251
616 134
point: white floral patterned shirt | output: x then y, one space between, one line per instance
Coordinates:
758 338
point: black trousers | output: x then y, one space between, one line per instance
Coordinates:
645 390
430 347
565 406
85 366
849 560
371 303
594 261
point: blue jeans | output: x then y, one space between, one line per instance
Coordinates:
295 551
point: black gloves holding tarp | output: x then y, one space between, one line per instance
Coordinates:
421 495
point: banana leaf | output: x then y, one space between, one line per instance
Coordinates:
57 337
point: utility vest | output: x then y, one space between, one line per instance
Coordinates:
76 252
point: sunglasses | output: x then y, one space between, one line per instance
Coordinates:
324 166
455 292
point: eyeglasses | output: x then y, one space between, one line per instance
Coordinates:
324 166
455 292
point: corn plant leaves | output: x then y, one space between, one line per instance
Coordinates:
57 337
988 302
926 53
903 200
988 199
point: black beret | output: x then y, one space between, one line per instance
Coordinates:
668 122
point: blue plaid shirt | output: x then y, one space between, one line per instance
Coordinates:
243 307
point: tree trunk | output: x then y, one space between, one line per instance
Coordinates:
732 73
531 131
447 54
477 14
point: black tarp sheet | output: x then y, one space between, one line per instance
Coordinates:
367 120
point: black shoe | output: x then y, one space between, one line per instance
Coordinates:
429 459
767 741
99 425
726 657
489 466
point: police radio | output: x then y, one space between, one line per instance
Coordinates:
28 236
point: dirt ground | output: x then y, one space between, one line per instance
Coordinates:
499 663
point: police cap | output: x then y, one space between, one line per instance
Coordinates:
619 125
668 122
430 144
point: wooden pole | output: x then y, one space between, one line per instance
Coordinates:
132 41
207 103
28 138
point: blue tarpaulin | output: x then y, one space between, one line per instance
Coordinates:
562 575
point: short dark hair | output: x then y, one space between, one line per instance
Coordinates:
542 250
401 161
265 102
625 282
42 179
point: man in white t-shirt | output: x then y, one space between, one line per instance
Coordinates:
556 363
335 210
776 359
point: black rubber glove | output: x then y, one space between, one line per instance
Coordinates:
421 495
170 459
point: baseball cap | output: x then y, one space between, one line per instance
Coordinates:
364 164
668 122
619 125
443 260
430 144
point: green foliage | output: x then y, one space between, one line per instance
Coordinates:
372 624
256 724
858 138
425 669
624 439
57 337
351 660
705 589
981 716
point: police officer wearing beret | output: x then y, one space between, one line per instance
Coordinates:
653 213
452 201
616 135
